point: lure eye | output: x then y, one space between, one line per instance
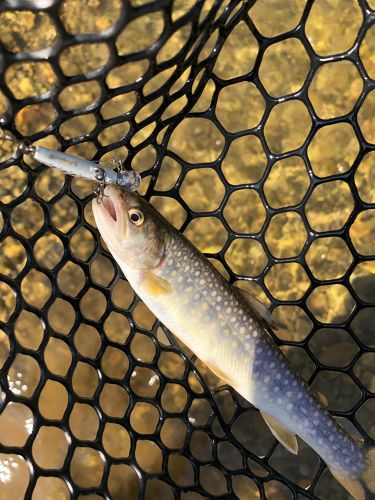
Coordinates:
136 216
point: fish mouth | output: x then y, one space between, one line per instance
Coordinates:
109 207
110 215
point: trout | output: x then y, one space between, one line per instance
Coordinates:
228 330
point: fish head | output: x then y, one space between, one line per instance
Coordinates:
134 232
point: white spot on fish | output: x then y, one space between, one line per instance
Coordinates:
242 329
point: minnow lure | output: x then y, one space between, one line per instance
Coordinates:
228 330
79 167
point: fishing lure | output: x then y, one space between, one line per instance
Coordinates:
120 176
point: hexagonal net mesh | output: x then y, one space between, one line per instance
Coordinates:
252 125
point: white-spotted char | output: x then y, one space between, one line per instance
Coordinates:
227 330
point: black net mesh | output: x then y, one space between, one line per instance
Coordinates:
252 125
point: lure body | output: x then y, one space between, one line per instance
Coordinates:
227 331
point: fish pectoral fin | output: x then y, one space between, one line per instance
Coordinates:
286 438
154 285
259 308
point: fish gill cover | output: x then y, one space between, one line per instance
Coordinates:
252 124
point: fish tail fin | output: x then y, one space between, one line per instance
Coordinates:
368 476
363 486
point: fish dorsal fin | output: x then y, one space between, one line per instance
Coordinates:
154 285
282 434
260 310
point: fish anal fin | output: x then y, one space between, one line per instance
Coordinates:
259 308
286 438
154 285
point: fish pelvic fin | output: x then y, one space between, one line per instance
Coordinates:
281 433
362 487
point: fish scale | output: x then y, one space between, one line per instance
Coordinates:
226 330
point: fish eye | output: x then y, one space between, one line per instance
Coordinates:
136 216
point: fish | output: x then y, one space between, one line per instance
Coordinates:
229 330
